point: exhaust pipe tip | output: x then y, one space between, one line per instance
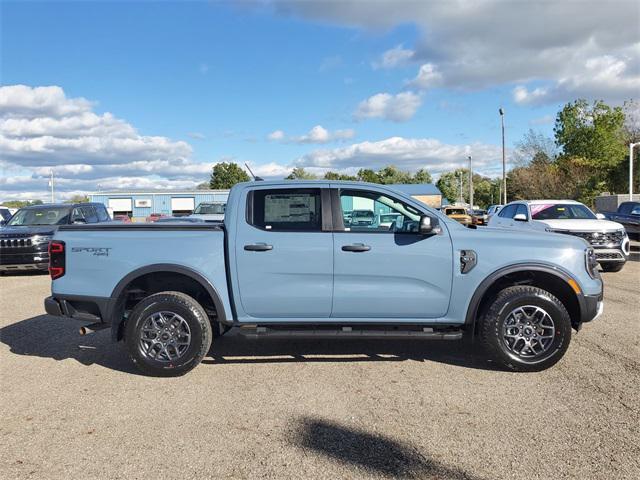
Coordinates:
84 331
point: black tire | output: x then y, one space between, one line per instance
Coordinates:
612 267
186 312
492 329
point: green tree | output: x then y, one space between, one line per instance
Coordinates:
225 175
421 176
368 175
78 199
299 173
20 203
338 176
594 136
485 190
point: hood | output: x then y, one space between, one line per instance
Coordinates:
28 230
219 217
582 225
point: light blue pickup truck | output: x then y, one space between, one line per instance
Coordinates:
289 261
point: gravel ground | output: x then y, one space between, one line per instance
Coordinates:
73 407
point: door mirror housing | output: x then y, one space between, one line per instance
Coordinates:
600 216
428 225
520 217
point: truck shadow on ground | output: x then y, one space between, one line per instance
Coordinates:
58 338
374 453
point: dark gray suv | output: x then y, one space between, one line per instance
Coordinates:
24 240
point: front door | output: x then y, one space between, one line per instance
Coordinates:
284 255
383 267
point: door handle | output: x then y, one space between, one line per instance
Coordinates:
258 247
356 247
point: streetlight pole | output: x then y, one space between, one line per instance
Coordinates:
504 161
631 145
470 184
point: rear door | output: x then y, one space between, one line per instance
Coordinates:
388 271
284 254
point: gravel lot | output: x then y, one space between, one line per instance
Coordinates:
73 407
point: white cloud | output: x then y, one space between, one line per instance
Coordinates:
196 135
42 129
590 78
393 58
276 135
317 134
577 49
406 153
397 108
428 77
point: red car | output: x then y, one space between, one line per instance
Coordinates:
155 216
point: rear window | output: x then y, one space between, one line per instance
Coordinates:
285 209
455 211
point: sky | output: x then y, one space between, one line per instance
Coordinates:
138 95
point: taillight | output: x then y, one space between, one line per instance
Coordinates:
56 259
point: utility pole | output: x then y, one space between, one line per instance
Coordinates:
470 184
51 185
631 145
460 181
504 161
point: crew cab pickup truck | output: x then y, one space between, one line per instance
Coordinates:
285 263
628 214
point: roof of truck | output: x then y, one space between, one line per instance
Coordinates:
408 188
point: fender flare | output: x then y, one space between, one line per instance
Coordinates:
116 295
478 295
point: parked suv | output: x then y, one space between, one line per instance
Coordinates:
609 239
25 238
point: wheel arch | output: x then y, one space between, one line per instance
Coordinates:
548 277
181 274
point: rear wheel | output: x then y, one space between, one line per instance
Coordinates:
612 267
526 329
167 334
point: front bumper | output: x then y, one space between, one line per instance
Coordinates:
592 307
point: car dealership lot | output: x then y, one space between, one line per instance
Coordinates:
74 407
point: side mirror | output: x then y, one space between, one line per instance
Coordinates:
428 225
600 216
520 217
2 223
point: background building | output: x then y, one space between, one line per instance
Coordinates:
426 193
141 203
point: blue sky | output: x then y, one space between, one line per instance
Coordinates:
193 83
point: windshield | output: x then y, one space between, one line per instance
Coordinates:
560 211
41 216
210 208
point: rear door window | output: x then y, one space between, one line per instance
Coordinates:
285 209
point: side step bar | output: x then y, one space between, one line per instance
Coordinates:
254 331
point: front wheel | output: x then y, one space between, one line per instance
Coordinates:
612 267
167 334
526 329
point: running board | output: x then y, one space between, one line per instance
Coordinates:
255 331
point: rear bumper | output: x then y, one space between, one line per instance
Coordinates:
90 309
